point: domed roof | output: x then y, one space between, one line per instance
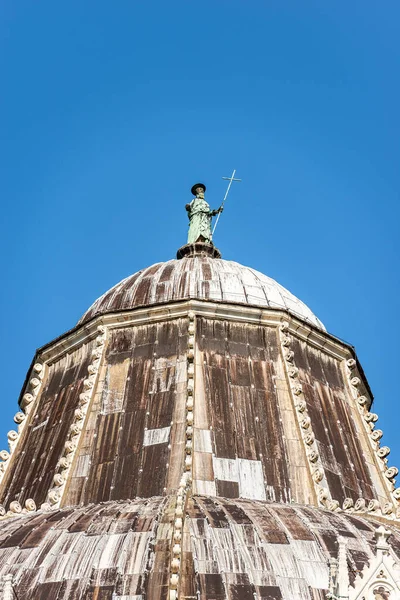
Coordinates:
233 549
203 278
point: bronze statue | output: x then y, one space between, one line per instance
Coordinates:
200 216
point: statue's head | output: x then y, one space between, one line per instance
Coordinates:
198 188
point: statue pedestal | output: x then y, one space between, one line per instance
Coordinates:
198 249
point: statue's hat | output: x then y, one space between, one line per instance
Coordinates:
196 185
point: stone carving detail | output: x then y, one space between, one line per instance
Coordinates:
186 479
348 504
54 495
373 506
8 592
383 451
360 505
28 400
30 505
374 435
333 505
314 461
379 579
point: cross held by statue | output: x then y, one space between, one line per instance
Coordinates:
230 179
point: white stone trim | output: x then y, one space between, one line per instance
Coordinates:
56 494
390 510
316 469
28 405
185 485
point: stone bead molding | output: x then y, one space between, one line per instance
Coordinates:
21 418
389 509
316 469
186 479
55 494
364 507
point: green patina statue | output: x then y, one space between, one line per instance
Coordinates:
200 216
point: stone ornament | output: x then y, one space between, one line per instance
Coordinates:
373 506
15 507
368 417
391 473
284 326
309 439
30 505
374 435
28 399
360 505
348 504
387 508
297 389
305 423
289 356
313 456
333 505
8 592
318 475
383 451
54 497
322 495
19 417
12 436
301 406
396 493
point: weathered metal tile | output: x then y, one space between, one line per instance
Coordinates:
251 479
226 469
156 436
202 440
227 489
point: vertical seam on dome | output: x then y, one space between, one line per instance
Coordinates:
185 485
262 287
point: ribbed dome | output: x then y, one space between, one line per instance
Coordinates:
202 278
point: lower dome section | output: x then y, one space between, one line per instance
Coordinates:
231 549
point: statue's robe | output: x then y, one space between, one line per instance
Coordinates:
200 217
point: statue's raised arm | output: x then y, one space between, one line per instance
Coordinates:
200 216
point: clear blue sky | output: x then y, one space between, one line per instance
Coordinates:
110 111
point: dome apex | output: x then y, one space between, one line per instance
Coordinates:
199 277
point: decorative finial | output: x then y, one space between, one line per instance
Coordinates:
381 535
8 588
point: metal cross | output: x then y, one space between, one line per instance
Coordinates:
230 179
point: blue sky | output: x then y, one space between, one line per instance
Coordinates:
111 111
